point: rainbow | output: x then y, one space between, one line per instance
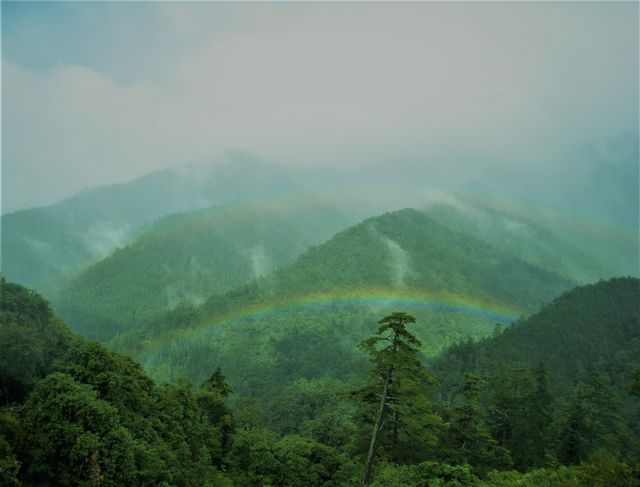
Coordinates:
380 300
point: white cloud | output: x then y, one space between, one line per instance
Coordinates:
332 83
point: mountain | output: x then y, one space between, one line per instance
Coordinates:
611 249
590 329
45 247
562 384
42 247
184 258
519 233
407 249
305 320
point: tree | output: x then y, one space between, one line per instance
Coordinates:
74 438
540 416
212 400
634 385
520 414
216 383
402 418
468 439
590 421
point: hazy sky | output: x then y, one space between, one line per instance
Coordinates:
96 93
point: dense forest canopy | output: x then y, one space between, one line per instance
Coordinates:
75 413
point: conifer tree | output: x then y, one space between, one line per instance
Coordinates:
468 439
591 420
540 417
395 400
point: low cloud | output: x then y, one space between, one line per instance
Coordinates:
481 88
261 263
399 262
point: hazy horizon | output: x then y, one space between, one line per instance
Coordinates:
509 95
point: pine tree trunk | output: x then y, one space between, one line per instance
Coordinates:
376 430
394 435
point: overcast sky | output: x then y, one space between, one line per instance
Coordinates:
97 93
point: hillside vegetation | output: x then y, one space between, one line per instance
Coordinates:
589 331
83 415
186 258
320 306
44 247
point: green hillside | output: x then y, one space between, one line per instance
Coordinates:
594 329
456 286
407 249
185 258
73 413
518 233
591 327
42 247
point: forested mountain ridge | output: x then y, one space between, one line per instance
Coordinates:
183 259
408 249
592 327
41 247
78 414
526 236
322 303
588 339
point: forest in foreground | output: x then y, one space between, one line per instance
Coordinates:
553 399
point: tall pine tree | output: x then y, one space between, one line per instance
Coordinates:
394 406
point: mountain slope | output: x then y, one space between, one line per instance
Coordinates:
185 258
522 236
330 298
593 328
407 249
41 247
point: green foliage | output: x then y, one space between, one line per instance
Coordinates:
467 439
303 461
75 413
591 421
183 259
31 338
602 470
304 401
73 437
589 337
95 418
212 402
520 414
259 458
11 434
588 328
393 404
432 474
252 457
